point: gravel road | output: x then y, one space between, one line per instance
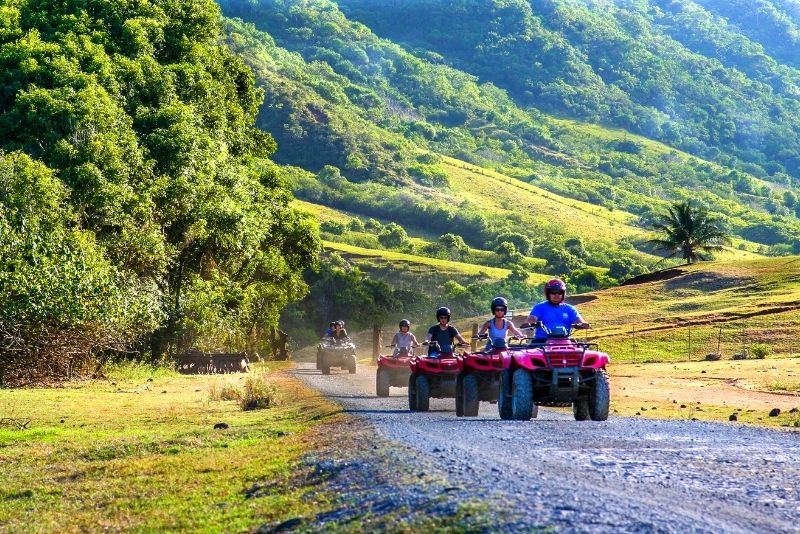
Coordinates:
622 475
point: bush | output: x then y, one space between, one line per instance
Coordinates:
258 393
760 350
333 227
224 390
393 236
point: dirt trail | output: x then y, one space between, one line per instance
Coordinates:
623 475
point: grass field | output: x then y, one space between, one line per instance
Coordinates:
424 263
689 312
139 453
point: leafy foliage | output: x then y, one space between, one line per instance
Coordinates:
163 178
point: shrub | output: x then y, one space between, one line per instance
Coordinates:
333 227
258 393
224 390
760 350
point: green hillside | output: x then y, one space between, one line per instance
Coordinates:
558 169
692 311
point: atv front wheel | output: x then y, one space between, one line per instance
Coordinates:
412 393
351 364
459 396
382 383
580 409
600 397
470 394
504 396
423 393
522 395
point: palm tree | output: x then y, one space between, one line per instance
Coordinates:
687 231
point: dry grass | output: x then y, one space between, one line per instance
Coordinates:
144 456
257 392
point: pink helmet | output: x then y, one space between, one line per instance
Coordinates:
557 285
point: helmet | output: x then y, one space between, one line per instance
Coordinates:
443 311
499 302
555 284
341 323
333 323
405 322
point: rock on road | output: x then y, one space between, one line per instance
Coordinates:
625 474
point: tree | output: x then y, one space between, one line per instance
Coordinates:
687 231
393 236
455 246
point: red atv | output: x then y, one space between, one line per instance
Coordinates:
480 377
433 375
557 372
393 371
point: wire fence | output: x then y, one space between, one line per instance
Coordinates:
742 339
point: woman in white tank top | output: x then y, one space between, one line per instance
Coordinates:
499 326
404 340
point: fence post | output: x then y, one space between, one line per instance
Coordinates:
376 342
473 344
283 346
689 348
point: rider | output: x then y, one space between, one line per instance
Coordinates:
499 326
553 311
329 331
443 333
339 333
404 340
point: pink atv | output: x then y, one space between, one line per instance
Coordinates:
557 372
433 375
480 377
393 371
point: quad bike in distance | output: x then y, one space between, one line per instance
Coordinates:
557 372
433 375
336 353
393 371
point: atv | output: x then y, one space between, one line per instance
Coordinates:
336 353
480 376
393 371
557 372
433 375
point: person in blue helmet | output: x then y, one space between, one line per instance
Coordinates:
499 327
553 311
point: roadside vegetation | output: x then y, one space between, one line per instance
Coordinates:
141 453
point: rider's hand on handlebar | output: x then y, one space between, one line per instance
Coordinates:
581 325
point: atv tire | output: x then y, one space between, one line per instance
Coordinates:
599 397
319 359
423 393
470 394
325 367
412 393
382 381
580 409
504 406
522 395
459 396
351 364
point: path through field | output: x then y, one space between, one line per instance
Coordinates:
626 474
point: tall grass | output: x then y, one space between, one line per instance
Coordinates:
256 393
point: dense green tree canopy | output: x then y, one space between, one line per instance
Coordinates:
144 129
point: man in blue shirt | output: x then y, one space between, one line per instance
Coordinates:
553 311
